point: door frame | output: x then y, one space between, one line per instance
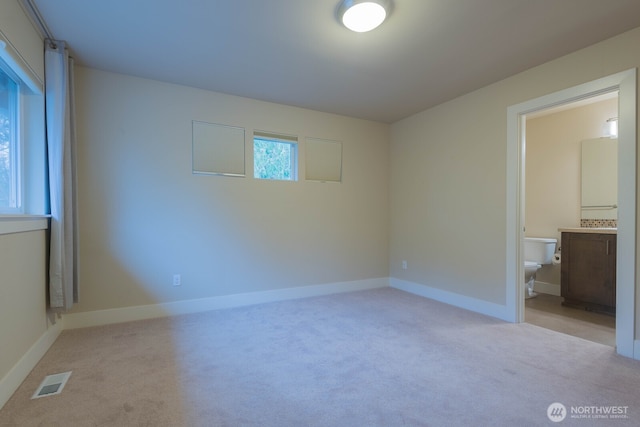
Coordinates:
625 83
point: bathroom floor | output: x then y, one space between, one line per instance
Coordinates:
546 311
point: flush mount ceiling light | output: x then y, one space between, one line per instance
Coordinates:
363 15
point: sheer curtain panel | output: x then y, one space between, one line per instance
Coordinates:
59 110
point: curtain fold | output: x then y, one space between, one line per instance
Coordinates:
60 131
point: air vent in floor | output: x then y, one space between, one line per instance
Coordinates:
52 384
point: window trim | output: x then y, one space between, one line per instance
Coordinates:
10 224
19 67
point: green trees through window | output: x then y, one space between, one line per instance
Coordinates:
8 154
274 159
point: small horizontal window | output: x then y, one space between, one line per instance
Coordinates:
275 157
323 160
217 149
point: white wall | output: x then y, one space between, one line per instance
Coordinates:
22 295
22 36
24 327
144 216
447 198
448 175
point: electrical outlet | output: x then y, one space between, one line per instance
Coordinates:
177 280
404 265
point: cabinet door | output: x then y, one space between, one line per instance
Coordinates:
589 267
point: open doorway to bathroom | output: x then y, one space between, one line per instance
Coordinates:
625 83
558 157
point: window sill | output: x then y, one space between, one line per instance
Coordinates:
23 223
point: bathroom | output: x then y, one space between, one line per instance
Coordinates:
553 200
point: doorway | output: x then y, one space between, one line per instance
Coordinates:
566 157
625 84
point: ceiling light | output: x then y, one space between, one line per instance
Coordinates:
363 15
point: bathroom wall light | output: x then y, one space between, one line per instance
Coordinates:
610 128
363 15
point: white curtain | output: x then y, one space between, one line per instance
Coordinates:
59 111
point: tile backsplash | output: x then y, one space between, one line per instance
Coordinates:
599 223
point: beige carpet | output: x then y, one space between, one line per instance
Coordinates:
371 358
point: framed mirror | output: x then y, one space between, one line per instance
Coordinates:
599 178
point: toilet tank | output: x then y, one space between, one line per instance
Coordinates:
539 249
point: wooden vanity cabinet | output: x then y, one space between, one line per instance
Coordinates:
588 271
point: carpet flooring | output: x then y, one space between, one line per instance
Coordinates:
373 358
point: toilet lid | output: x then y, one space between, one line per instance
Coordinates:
530 264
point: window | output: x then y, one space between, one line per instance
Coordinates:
323 160
22 139
9 148
275 157
217 149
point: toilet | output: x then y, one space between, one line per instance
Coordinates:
537 251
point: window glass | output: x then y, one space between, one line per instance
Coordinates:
275 157
9 150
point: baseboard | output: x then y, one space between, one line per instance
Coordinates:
12 380
126 314
468 303
547 288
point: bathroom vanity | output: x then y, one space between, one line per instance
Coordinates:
588 268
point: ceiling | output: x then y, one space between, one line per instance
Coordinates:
294 52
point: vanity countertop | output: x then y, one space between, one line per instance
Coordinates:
602 230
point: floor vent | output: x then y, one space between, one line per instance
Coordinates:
52 384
